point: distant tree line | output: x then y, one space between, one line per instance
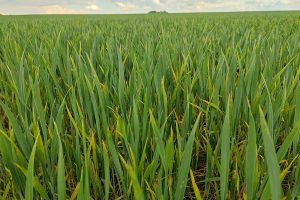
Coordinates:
155 12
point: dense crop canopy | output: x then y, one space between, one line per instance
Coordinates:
172 106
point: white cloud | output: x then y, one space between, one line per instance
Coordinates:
206 6
126 5
291 2
58 9
92 7
157 2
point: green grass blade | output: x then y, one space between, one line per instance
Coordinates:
61 182
271 158
30 174
36 184
138 193
225 152
106 169
184 167
251 155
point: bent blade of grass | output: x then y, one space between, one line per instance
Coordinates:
158 139
106 171
266 191
297 118
81 193
271 158
251 155
296 188
121 82
36 184
40 110
138 192
195 187
289 140
61 182
270 110
170 152
184 167
75 192
115 158
30 174
225 152
21 139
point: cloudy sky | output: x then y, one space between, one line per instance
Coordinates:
140 6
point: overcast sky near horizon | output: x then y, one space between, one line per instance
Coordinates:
140 6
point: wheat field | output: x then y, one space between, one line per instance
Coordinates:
162 106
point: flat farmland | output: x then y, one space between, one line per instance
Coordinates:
153 106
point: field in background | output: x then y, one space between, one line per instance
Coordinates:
163 106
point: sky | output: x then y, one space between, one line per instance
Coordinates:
16 7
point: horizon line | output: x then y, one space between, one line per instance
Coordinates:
140 13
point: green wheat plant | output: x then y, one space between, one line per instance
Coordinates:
166 106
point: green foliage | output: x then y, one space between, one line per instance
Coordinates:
176 106
156 12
